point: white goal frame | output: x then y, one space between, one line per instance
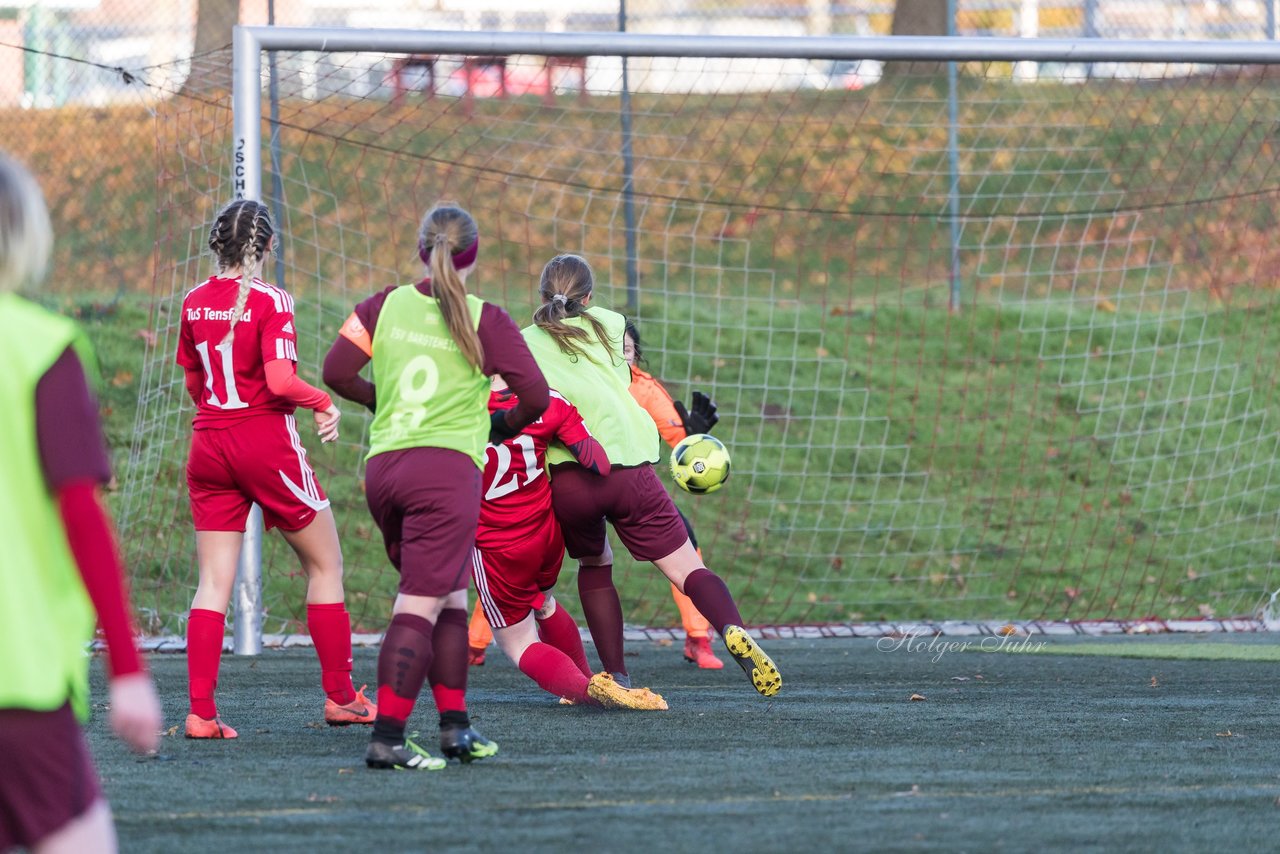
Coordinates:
249 43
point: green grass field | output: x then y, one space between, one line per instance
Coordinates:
1047 491
1006 752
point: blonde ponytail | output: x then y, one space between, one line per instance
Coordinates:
566 281
446 231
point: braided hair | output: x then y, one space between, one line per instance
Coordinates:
240 237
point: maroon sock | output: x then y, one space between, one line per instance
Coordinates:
712 598
448 675
330 628
560 631
403 663
204 654
602 609
554 672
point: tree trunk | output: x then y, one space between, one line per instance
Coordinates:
918 18
210 65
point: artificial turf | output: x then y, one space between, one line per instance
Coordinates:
1005 752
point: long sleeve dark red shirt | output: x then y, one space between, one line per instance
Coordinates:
74 459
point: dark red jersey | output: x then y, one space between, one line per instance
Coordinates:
235 381
517 494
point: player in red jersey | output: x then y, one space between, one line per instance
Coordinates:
519 550
238 347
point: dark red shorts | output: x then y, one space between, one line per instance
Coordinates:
511 582
426 502
47 778
259 460
631 499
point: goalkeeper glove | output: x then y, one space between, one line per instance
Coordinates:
701 415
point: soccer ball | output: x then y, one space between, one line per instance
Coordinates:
700 463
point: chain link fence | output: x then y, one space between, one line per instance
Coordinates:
37 39
79 77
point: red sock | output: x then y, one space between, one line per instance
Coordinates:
448 676
391 705
449 699
393 716
602 609
712 598
330 628
204 653
554 672
560 631
403 661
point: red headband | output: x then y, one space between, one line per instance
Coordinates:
462 258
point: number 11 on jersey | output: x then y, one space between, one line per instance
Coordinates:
223 352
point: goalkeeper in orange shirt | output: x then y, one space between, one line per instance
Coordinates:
674 422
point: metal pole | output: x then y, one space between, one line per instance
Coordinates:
1271 20
61 73
248 592
1090 26
246 178
36 65
246 110
1028 28
277 182
885 48
953 160
819 17
628 178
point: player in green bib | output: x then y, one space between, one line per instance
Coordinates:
579 348
60 563
433 347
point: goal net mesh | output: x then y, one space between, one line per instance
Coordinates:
1031 377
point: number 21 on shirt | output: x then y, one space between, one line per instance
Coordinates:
506 478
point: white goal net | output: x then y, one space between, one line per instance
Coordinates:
985 346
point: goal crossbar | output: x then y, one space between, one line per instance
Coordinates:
888 48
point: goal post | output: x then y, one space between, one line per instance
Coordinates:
987 349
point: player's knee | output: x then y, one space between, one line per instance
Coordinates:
332 569
602 559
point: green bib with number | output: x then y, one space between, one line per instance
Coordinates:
429 395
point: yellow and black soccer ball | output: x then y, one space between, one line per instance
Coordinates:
700 463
